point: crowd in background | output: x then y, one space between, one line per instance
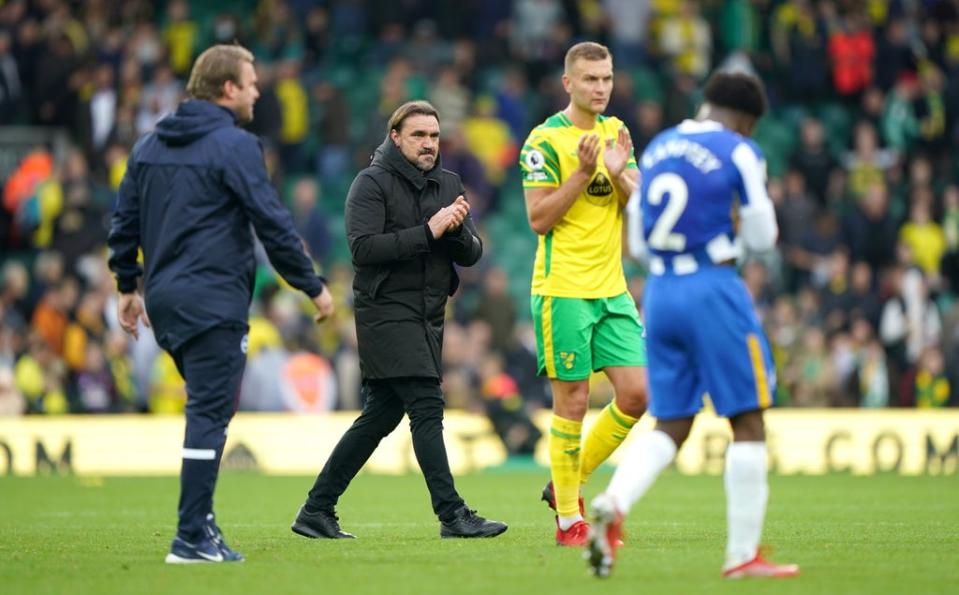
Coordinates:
858 300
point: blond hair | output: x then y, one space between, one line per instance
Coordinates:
214 67
586 50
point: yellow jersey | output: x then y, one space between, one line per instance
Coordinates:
581 257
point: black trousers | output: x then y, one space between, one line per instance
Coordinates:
212 364
385 403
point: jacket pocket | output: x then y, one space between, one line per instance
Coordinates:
369 282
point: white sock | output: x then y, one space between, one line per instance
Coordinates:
642 463
746 495
565 522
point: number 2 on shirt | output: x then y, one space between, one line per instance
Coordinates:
662 236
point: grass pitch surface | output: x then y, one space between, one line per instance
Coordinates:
879 534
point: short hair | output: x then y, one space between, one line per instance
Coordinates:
736 91
410 108
214 67
586 50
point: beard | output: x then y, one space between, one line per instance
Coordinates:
426 161
245 114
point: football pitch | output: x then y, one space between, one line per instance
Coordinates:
877 534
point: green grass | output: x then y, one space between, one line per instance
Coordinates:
879 534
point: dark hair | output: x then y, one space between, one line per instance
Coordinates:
736 91
585 50
410 108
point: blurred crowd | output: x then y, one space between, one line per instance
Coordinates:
858 299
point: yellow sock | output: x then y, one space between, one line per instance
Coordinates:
564 446
606 435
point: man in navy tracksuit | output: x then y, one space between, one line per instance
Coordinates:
191 191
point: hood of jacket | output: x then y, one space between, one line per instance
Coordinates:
389 157
193 119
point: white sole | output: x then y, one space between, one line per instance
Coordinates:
172 558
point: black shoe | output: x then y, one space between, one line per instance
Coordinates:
466 523
318 524
548 496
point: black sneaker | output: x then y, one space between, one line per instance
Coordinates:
466 523
317 525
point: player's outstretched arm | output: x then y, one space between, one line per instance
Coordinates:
546 206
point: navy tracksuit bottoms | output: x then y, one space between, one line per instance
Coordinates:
212 364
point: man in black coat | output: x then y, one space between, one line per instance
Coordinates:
407 223
191 191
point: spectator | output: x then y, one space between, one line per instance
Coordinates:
868 227
923 235
900 127
160 98
813 160
511 102
102 108
506 410
451 98
649 123
316 38
687 40
867 164
497 310
930 110
56 82
863 303
932 384
14 284
950 231
628 30
51 316
39 377
458 157
799 46
309 218
893 53
812 376
87 328
333 126
294 116
835 293
11 90
12 402
795 209
181 35
94 383
910 320
851 49
872 376
489 139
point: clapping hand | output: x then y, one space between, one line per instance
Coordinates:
449 218
618 152
588 153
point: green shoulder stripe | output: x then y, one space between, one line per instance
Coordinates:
552 157
557 120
